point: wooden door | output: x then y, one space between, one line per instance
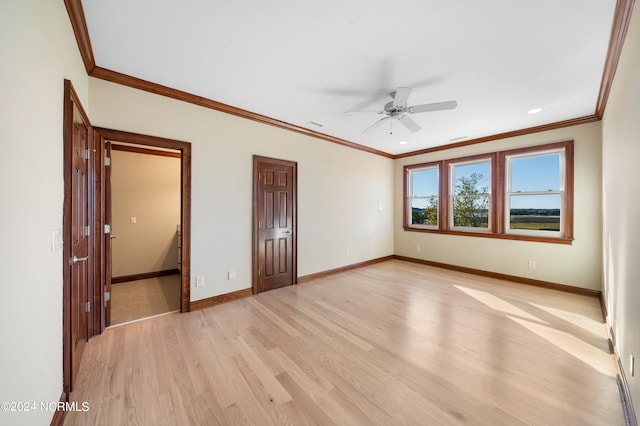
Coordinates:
108 235
275 242
78 245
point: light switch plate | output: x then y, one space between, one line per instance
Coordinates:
56 240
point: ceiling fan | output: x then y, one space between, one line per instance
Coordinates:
399 110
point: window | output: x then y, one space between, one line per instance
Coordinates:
470 194
524 194
535 193
423 196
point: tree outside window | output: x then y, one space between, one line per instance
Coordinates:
520 194
470 195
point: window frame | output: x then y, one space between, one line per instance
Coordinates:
408 194
476 159
498 215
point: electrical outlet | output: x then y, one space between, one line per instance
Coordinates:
632 365
532 264
231 275
418 247
133 220
200 281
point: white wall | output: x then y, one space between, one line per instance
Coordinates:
621 204
146 187
38 51
577 265
339 188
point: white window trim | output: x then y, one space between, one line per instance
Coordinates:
489 195
428 197
562 191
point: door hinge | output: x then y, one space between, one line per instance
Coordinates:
107 161
88 307
87 154
107 228
87 230
107 296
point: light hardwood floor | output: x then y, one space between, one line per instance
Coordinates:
393 343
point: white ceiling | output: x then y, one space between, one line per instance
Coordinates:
300 61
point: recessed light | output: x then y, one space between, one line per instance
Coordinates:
534 111
403 142
459 138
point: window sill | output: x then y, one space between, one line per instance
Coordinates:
516 237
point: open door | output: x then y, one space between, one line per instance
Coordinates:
274 224
108 235
79 240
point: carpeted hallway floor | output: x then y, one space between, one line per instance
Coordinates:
134 300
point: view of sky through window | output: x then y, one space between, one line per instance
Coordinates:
425 182
481 171
537 173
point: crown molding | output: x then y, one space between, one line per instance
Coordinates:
621 19
79 25
137 83
521 132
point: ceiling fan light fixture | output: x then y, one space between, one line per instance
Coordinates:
398 109
534 111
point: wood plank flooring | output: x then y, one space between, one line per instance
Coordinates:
388 344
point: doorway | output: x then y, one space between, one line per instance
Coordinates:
144 206
86 224
178 256
274 223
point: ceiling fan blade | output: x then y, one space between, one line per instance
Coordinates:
437 106
376 124
374 111
401 96
409 123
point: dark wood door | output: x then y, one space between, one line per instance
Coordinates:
108 235
79 261
275 185
78 246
